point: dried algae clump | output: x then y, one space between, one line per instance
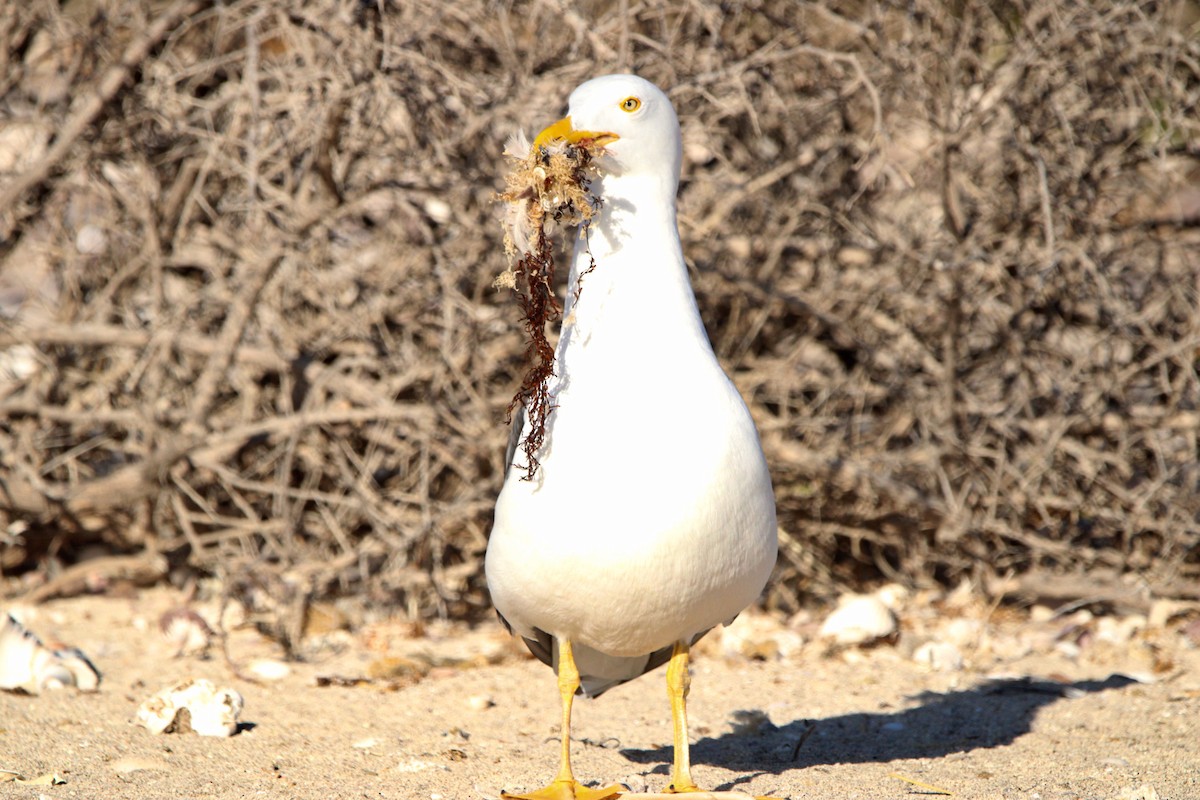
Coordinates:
548 190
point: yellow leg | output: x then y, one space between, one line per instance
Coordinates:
564 786
678 684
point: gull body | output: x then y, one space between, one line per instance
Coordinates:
651 518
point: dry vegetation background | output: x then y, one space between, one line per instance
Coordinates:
948 249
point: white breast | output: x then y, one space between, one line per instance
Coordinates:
651 518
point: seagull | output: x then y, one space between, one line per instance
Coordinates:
651 517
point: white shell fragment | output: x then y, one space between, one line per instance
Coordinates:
28 665
859 619
192 705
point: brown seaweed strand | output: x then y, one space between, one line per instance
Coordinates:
586 233
539 306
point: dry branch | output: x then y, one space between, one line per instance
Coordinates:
95 101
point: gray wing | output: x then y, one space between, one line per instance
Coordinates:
543 648
516 430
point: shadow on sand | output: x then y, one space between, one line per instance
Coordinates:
989 715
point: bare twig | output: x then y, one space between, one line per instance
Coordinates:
91 108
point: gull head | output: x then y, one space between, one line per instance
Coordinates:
632 118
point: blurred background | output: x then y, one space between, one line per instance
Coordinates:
948 250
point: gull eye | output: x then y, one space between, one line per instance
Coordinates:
631 104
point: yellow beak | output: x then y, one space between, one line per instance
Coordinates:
563 130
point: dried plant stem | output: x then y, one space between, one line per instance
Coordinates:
86 114
256 274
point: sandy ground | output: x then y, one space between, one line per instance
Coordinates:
1116 721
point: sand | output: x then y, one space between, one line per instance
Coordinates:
468 716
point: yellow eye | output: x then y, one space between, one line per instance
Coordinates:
631 104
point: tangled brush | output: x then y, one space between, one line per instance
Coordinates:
947 259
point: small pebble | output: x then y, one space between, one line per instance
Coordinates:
1068 649
268 669
961 631
126 766
697 153
939 656
1041 614
91 240
479 702
417 765
17 362
739 247
438 210
1143 792
853 257
859 619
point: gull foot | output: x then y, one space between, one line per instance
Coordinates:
568 790
682 789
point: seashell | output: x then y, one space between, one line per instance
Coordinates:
28 665
195 705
